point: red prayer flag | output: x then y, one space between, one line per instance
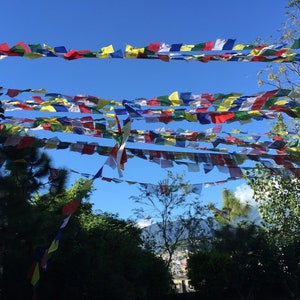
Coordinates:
4 48
208 46
72 54
70 207
26 141
88 149
12 93
154 47
164 57
221 117
153 102
84 109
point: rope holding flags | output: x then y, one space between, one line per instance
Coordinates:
165 52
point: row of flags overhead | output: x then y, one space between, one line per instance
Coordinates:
226 108
170 115
203 108
164 51
12 134
205 101
231 163
275 100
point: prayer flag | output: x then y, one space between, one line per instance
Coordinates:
70 207
53 247
35 274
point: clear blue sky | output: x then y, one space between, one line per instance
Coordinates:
92 24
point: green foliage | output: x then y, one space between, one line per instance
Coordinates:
278 203
25 171
293 3
100 257
210 272
279 128
278 196
232 209
282 75
243 263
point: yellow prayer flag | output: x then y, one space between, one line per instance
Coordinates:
51 144
281 102
256 52
107 109
226 104
33 55
174 96
239 47
107 50
295 149
170 141
53 247
190 117
62 100
14 129
174 99
132 52
255 113
296 112
68 129
186 47
234 131
48 48
36 275
177 102
48 108
103 102
40 91
110 115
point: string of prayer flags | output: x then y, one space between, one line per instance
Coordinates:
175 138
162 157
203 108
164 51
42 255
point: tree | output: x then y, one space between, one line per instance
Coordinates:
277 195
210 272
232 209
285 75
278 204
178 215
241 264
24 172
101 257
